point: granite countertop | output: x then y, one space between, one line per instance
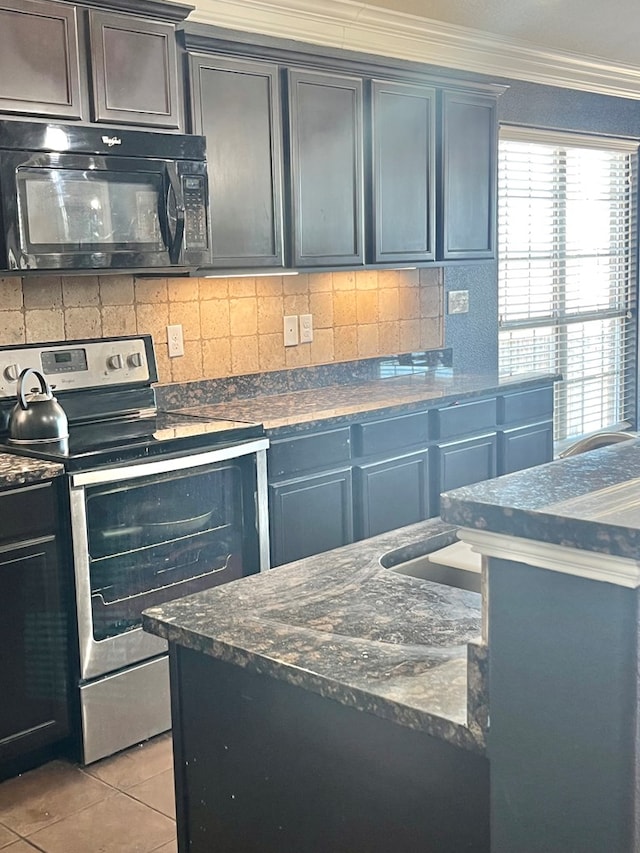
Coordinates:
590 501
20 470
337 404
341 625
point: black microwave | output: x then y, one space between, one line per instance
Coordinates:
93 198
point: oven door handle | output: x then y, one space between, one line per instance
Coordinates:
167 464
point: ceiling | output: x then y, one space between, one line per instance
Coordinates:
593 29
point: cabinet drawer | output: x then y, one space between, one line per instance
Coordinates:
391 434
306 452
536 405
27 512
465 418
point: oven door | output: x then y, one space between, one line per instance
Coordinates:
150 532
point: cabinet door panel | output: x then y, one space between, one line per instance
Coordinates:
467 224
33 649
535 405
326 168
39 67
135 70
391 494
310 515
403 169
236 105
466 462
526 447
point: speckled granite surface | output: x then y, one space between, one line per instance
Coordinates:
342 625
590 501
19 471
177 395
337 404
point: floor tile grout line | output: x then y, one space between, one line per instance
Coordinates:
64 817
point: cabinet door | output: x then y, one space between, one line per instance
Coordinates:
33 649
134 70
525 447
39 68
310 515
325 113
466 462
391 494
236 105
402 172
467 213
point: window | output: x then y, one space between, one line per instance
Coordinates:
567 272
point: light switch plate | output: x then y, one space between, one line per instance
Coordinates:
458 302
291 330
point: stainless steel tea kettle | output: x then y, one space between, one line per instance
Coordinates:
40 419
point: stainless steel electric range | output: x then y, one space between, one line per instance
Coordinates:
158 505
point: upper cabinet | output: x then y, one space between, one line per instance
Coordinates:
468 168
67 61
39 59
402 173
236 105
326 181
134 71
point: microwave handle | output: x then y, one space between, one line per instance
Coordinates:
175 189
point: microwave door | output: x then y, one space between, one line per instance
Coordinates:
80 212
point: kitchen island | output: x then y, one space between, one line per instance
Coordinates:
563 548
332 704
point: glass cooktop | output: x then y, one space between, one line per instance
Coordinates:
135 437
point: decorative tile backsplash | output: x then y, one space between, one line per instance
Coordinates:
233 326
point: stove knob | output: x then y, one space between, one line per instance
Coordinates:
114 362
11 372
135 360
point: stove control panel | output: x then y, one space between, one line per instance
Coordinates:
78 365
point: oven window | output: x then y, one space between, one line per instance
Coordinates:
158 538
79 209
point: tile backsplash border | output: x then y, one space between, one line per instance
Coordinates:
233 326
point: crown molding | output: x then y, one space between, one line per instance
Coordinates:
621 571
356 26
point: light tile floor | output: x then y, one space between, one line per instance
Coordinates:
123 804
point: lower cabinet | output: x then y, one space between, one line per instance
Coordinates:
464 462
34 648
333 485
525 447
309 515
391 494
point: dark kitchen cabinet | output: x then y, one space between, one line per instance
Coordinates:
402 173
34 647
325 161
309 515
134 67
468 175
525 434
67 61
391 493
467 461
236 104
39 59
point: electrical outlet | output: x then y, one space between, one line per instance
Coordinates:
306 328
291 330
458 302
175 340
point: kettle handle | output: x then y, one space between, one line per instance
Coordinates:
44 385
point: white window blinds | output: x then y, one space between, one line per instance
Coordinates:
567 272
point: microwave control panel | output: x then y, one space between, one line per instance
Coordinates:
195 212
79 364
